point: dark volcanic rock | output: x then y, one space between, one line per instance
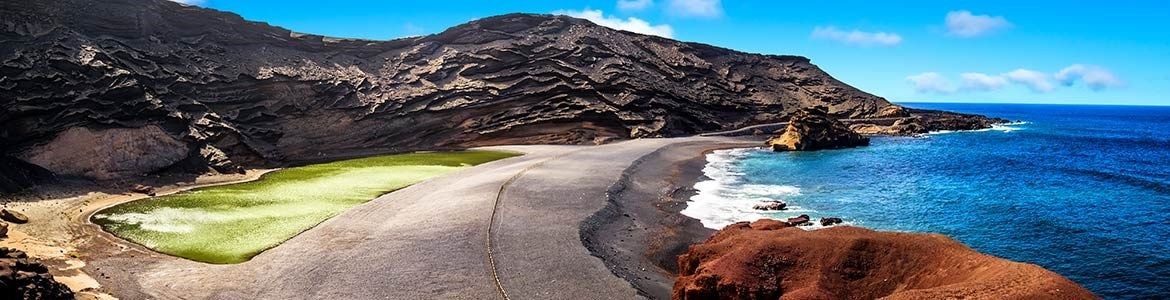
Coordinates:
117 88
813 129
831 221
771 205
13 216
24 278
766 260
16 175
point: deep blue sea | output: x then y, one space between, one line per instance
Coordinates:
1081 190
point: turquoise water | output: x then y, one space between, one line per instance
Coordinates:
1080 190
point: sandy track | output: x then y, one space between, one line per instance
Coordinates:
426 241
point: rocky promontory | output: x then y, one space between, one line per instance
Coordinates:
812 129
770 259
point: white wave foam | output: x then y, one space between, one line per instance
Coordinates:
724 198
1005 127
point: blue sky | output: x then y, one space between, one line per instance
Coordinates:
1083 52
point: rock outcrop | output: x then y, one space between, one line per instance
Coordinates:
768 260
813 129
25 278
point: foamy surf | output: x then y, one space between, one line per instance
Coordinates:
1005 127
726 197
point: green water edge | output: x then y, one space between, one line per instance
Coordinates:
232 223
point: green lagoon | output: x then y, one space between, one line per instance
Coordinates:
232 223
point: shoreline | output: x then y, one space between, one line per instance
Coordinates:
61 235
641 231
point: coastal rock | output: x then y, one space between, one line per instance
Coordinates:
812 129
798 221
13 216
746 261
24 278
118 88
902 127
771 205
830 221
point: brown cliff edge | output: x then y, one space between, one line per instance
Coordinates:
767 259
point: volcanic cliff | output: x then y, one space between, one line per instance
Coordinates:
114 88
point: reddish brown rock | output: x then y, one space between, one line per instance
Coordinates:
768 260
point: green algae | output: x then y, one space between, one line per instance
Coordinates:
232 223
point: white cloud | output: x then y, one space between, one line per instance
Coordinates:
191 2
962 23
695 8
634 5
630 24
857 37
1095 77
1034 80
982 82
930 82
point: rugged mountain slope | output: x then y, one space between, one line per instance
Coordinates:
113 88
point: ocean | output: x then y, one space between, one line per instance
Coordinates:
1080 190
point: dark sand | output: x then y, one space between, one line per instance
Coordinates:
641 232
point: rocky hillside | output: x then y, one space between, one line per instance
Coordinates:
770 259
113 88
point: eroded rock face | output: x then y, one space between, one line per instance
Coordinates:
262 95
769 259
107 153
813 129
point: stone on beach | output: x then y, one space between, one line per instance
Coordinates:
24 278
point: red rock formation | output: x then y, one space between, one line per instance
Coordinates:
769 260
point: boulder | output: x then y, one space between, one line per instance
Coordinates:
799 221
830 221
771 205
13 216
142 189
24 278
812 129
3 230
766 260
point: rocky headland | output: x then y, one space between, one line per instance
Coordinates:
770 259
812 129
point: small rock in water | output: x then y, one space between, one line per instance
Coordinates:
798 221
771 205
830 221
12 216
